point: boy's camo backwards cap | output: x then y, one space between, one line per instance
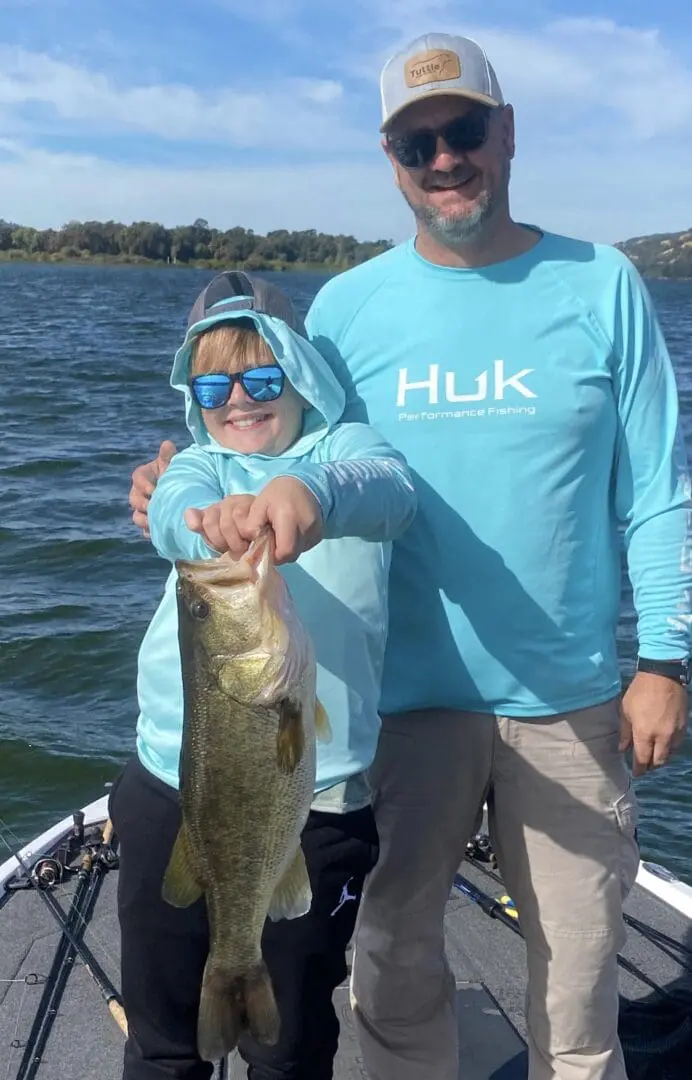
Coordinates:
235 290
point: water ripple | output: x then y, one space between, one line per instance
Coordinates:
85 355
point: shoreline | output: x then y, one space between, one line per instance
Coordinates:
251 265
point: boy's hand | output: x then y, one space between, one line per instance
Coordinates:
144 480
293 513
219 524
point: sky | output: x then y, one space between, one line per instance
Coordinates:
265 113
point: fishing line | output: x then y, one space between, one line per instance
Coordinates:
15 1042
32 979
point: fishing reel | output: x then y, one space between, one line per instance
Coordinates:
109 857
81 841
50 870
45 873
480 848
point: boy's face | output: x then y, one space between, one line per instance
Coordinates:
257 427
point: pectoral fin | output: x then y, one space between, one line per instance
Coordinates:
293 895
323 728
179 886
290 740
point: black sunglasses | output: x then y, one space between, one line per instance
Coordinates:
214 390
416 149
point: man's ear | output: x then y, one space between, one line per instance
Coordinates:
507 121
392 161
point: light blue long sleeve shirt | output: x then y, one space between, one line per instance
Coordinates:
536 405
340 587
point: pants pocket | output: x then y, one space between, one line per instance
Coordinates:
627 819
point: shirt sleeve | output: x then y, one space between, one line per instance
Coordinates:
652 491
365 489
191 480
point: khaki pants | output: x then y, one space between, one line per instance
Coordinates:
562 820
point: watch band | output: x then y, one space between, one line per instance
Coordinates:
678 670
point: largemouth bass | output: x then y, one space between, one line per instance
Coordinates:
246 779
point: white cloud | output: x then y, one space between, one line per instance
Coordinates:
410 18
603 111
321 91
606 199
241 117
582 65
44 189
593 66
571 196
603 117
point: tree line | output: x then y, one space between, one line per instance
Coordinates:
196 244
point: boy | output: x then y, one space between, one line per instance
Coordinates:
263 409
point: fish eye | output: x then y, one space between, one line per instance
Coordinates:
200 609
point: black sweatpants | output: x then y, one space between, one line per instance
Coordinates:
164 949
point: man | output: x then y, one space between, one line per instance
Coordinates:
525 377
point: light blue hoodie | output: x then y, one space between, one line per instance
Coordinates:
339 587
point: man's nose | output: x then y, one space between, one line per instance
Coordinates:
445 159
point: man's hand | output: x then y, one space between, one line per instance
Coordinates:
220 524
654 720
144 480
293 513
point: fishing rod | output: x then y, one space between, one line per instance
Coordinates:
491 907
668 945
497 910
674 950
55 981
93 867
105 986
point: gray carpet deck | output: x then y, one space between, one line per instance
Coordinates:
487 958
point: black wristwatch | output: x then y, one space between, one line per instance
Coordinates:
678 670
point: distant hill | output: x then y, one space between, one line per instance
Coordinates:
667 255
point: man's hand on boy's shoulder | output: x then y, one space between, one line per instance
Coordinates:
144 480
288 506
223 524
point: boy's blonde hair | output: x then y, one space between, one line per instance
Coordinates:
229 349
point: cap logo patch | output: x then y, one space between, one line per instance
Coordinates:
431 67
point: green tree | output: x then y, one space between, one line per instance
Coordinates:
188 243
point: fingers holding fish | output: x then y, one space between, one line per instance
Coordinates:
220 524
289 508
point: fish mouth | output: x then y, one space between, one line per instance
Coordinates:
225 571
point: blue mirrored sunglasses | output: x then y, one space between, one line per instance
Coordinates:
213 390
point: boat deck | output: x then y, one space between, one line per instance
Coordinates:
487 958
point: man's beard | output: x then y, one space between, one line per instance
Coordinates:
459 230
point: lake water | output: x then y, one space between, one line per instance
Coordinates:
85 355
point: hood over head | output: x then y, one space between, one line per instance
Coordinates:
233 295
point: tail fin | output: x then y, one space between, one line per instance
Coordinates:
232 1003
